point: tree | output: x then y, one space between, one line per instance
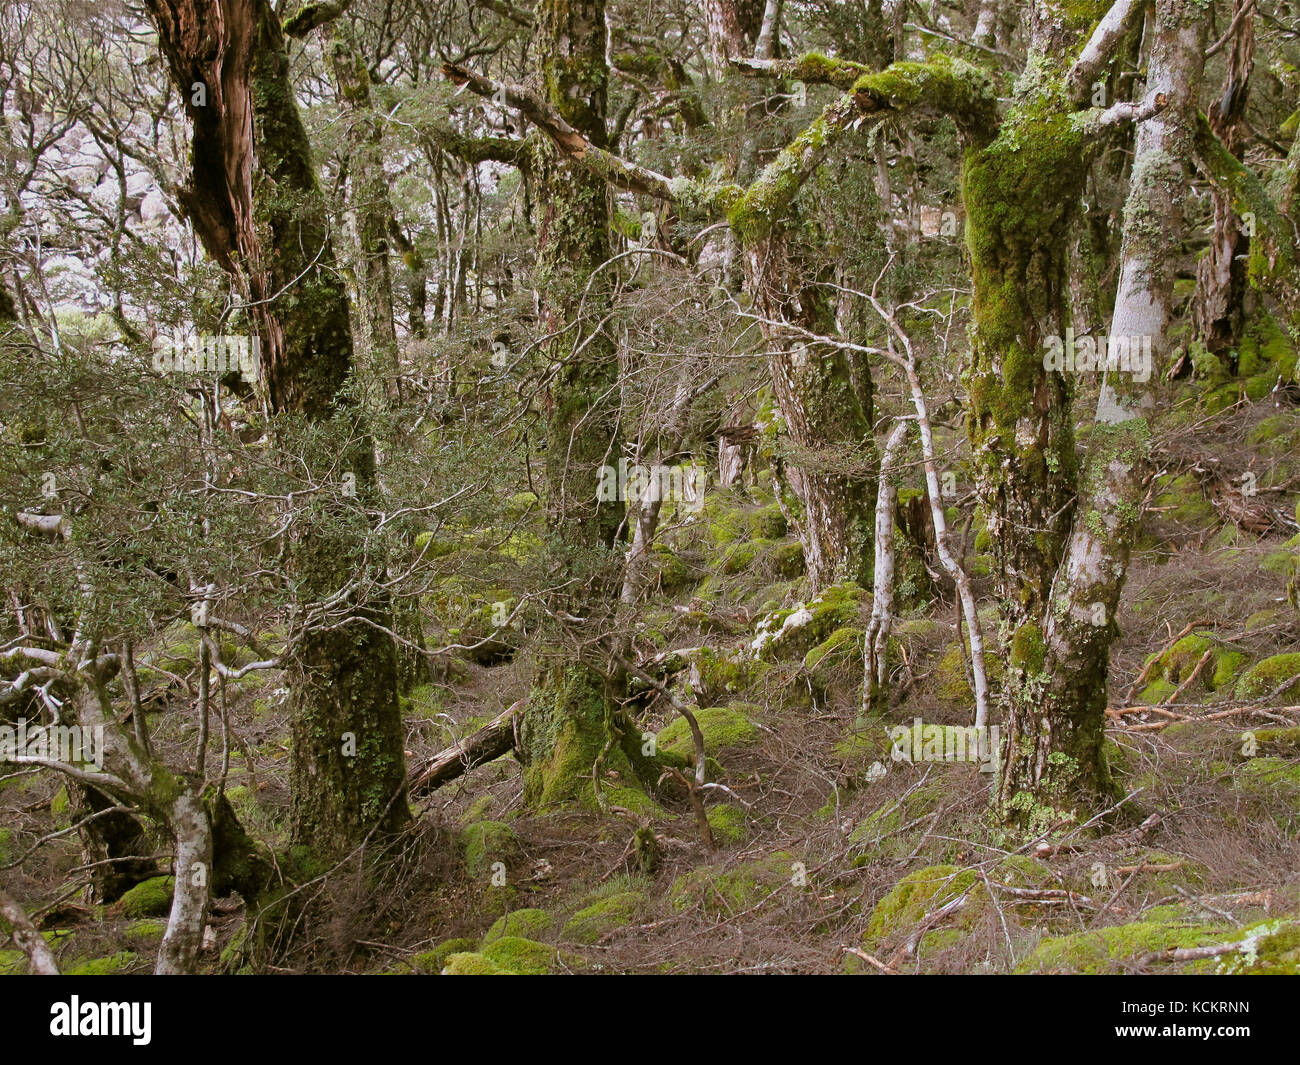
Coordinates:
267 226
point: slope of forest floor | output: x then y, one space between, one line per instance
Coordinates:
830 854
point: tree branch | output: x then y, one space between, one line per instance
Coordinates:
1115 24
313 15
620 172
29 940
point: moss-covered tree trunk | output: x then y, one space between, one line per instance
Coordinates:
571 725
824 451
1061 564
1054 764
373 213
372 210
1021 193
255 202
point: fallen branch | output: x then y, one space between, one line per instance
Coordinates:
493 740
872 961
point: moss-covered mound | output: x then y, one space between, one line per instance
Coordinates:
603 916
723 728
150 898
1168 935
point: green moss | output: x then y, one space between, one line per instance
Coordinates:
730 891
723 673
1028 652
432 962
471 964
1279 742
916 896
794 632
727 823
1268 947
144 933
723 728
674 574
522 957
839 646
1264 676
1183 501
1177 662
113 965
1226 667
787 561
487 842
569 729
1270 779
528 923
603 916
151 898
740 557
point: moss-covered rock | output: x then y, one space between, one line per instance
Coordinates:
920 894
150 898
432 962
1173 667
527 923
113 965
786 561
840 647
523 957
603 916
487 842
730 891
727 823
794 632
673 574
723 728
144 934
716 674
1181 498
1267 742
739 557
1265 676
472 964
1270 779
1270 947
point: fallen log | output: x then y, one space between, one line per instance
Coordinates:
493 740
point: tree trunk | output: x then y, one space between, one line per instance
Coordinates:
1054 767
825 455
572 724
115 843
267 226
1217 309
371 207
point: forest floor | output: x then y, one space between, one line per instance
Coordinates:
831 854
